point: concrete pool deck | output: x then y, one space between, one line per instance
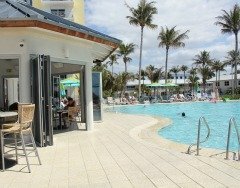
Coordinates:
120 153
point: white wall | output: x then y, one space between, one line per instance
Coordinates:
21 42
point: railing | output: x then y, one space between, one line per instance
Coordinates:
232 122
201 120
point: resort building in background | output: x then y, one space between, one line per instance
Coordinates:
225 84
72 10
38 49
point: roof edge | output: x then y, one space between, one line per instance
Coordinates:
45 24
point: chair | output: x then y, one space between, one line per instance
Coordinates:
23 126
73 114
110 101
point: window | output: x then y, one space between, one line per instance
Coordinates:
239 82
180 77
58 12
226 83
217 83
176 77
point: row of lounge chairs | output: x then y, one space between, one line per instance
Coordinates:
122 101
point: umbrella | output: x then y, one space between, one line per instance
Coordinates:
162 85
154 85
169 85
70 82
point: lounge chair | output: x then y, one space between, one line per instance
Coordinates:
110 101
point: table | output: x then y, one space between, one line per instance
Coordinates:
60 113
8 162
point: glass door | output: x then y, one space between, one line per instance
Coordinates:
42 98
97 95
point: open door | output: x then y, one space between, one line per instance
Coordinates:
42 98
97 96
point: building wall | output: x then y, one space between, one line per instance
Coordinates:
74 9
41 42
78 12
223 87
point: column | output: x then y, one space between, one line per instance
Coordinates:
89 99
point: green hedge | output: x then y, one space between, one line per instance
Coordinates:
231 97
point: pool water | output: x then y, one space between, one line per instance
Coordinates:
184 130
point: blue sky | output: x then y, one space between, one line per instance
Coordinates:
198 16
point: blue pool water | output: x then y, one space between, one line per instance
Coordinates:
184 130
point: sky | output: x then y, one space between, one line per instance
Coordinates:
198 16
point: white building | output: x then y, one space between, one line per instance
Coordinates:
226 82
35 47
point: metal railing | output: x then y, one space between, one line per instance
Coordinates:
201 120
232 122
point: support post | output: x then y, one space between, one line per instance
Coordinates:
89 98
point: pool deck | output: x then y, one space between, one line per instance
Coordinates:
121 152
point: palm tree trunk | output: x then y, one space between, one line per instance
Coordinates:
175 78
235 63
125 66
204 85
112 69
184 87
140 65
216 80
166 61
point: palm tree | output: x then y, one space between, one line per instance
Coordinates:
230 23
193 78
171 38
142 16
184 68
112 61
121 80
216 66
206 74
203 62
153 73
143 74
175 70
232 57
203 59
124 51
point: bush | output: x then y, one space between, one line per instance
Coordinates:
231 97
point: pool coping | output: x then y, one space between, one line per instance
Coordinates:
149 135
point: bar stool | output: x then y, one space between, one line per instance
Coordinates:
23 126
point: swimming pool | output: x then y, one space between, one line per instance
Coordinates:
184 130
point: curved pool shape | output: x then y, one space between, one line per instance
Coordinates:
184 130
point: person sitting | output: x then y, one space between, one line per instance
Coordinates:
63 103
70 103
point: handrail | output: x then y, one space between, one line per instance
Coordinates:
232 122
201 120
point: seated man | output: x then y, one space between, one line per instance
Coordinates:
70 103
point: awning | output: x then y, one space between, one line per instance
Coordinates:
70 82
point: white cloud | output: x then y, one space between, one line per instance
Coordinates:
198 16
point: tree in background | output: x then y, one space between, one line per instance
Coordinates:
203 63
231 58
124 51
171 38
184 68
193 79
112 61
142 16
230 23
175 70
153 73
